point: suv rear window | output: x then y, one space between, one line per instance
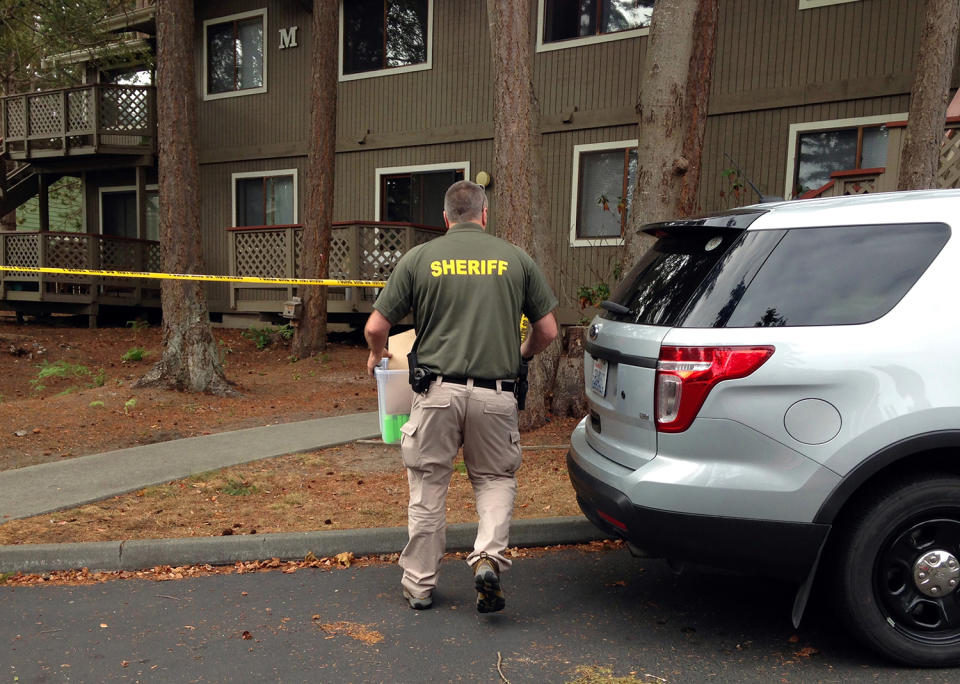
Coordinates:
715 278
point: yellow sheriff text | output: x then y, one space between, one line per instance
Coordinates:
468 267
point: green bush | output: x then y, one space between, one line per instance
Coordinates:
133 354
264 337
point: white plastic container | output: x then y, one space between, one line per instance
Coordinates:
394 397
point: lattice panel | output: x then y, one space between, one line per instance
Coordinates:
861 186
948 174
339 267
261 254
22 250
123 109
16 120
46 117
380 250
297 249
78 110
67 251
154 259
119 256
421 236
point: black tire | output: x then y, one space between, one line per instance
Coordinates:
877 552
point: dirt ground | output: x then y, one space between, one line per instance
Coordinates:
66 392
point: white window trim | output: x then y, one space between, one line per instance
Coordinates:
262 174
579 42
811 4
236 17
423 66
391 170
575 191
108 189
826 125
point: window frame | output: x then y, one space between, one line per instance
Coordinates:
380 172
388 71
813 4
262 13
116 189
238 175
578 151
584 40
796 129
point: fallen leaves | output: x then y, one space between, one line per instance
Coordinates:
352 629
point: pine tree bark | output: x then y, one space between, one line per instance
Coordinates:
190 360
920 158
311 334
518 170
672 115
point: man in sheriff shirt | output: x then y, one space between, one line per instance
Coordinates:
467 290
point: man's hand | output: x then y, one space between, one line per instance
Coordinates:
374 359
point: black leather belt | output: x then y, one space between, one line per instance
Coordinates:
506 385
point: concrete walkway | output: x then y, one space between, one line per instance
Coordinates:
30 491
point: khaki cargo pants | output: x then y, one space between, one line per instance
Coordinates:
484 422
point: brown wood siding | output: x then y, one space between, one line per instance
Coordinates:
774 66
216 214
271 124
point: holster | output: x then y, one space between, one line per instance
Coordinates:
420 377
521 386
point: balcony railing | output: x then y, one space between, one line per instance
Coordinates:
91 119
359 250
78 251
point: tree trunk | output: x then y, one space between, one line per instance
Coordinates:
190 360
518 169
920 159
311 334
671 97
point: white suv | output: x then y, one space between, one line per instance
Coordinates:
777 389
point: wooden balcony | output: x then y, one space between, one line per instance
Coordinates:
77 251
359 250
85 120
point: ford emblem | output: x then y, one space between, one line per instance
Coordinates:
594 331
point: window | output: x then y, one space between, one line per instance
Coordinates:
566 23
820 148
384 35
235 61
265 198
702 276
415 194
603 178
837 275
118 212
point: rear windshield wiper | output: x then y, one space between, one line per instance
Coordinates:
613 307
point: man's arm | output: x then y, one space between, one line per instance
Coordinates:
376 332
541 334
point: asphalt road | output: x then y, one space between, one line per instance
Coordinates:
565 609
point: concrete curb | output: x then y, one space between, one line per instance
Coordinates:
139 554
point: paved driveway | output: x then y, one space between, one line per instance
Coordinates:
564 609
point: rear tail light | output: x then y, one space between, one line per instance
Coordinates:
685 376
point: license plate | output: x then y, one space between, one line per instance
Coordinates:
599 382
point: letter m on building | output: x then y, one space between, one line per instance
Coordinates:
288 37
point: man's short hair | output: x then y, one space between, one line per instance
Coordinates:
464 201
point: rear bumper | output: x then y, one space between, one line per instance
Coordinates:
775 548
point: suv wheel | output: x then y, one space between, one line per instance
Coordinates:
899 572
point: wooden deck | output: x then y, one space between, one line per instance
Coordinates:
359 251
84 120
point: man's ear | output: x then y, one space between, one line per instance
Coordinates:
446 221
483 218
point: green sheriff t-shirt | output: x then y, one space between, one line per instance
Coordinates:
467 291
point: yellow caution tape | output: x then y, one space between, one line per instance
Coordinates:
195 276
